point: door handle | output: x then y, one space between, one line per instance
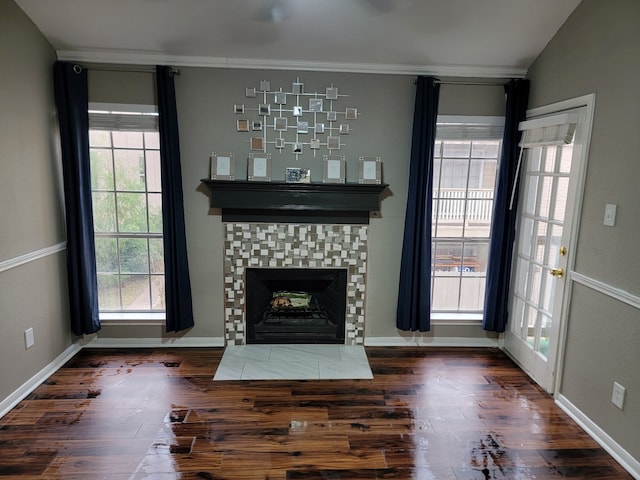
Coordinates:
557 272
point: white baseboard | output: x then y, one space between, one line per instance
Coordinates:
390 341
30 385
200 342
614 449
421 341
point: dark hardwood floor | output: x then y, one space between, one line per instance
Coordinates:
428 414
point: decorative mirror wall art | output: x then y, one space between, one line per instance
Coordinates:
292 120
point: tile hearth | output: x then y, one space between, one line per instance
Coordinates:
293 362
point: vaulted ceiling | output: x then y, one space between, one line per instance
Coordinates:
447 37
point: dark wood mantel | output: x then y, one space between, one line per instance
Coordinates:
278 202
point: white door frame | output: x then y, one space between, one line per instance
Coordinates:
587 101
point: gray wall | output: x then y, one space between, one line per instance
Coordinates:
31 214
597 51
205 98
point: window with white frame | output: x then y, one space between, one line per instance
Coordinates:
127 207
466 156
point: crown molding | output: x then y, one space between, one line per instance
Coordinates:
142 58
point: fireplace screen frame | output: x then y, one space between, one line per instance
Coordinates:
323 322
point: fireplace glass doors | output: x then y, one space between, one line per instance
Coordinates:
295 305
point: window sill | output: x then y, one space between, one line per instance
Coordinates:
128 318
441 318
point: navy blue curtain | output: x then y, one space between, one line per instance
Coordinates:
72 103
496 297
176 268
414 292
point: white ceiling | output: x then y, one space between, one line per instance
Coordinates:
490 38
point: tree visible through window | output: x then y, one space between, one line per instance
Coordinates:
127 213
465 165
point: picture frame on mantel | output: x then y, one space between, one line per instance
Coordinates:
222 166
370 170
334 169
259 167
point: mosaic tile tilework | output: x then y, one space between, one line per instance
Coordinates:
294 246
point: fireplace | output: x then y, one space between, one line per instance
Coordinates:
267 246
288 225
317 317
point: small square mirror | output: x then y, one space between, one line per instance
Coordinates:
264 109
257 143
333 143
315 104
280 124
280 98
242 125
303 127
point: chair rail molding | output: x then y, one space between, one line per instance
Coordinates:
606 289
32 256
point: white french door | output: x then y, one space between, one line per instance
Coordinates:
551 182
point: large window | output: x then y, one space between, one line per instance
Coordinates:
127 210
467 152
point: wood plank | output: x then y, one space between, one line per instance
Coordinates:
428 413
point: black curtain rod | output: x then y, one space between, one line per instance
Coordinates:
125 69
462 82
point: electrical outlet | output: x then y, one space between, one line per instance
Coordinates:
29 339
610 214
617 398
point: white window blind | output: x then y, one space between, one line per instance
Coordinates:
453 127
547 131
140 118
544 132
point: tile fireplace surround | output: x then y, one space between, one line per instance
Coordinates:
269 245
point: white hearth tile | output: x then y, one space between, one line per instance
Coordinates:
344 370
294 353
280 371
293 362
258 353
353 353
229 370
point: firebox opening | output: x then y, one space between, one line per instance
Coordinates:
321 321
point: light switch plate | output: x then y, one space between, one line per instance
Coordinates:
29 339
610 214
617 398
